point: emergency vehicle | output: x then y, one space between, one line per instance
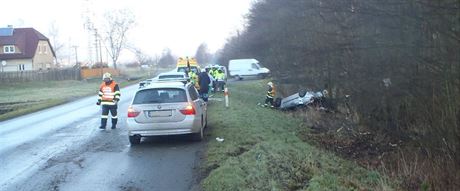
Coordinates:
182 65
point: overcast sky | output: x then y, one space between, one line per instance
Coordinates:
181 25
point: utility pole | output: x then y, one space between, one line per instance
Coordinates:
96 38
100 51
76 56
76 62
96 45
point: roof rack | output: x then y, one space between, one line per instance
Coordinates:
183 80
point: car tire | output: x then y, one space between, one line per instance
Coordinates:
135 140
238 77
277 102
302 92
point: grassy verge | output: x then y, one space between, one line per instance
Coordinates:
21 98
262 151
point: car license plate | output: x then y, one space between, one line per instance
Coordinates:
160 113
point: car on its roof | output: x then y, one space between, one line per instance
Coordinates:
166 108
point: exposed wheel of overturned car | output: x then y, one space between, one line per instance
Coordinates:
302 93
277 102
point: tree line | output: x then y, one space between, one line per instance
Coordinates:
398 62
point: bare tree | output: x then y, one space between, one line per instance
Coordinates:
141 56
167 59
53 33
118 23
202 54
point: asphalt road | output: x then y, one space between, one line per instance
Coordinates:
61 148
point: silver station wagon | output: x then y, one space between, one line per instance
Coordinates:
166 108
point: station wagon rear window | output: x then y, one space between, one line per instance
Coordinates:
164 95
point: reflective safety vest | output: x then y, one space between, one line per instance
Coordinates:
213 73
194 79
220 76
271 92
109 93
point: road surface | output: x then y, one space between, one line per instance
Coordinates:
61 148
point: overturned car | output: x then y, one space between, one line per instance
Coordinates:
301 99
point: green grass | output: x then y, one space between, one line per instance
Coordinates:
261 151
29 108
21 98
26 97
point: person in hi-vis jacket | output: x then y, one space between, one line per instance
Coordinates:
109 95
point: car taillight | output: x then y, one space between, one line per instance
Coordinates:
188 110
132 112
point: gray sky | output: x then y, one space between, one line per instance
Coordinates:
181 25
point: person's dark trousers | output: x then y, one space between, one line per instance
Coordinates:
269 100
105 115
204 96
222 86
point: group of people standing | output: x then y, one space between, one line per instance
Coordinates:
209 79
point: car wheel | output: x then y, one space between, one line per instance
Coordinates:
277 102
239 77
135 140
302 93
198 136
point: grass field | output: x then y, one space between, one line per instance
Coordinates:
21 98
261 151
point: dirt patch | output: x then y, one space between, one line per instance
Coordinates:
335 131
238 151
412 164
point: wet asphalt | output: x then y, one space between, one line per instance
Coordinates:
61 148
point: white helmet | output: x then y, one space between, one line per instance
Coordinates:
270 83
107 75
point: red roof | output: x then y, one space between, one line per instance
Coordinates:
26 39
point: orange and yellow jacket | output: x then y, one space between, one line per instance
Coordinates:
109 93
271 92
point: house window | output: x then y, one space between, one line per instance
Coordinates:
21 67
45 50
9 49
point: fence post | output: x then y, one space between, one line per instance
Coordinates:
226 96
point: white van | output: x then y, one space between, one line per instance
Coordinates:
240 68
